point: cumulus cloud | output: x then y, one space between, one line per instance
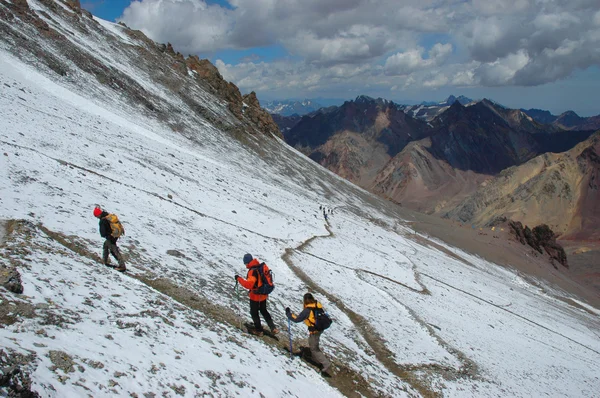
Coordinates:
409 61
597 18
501 71
351 45
191 25
383 43
436 81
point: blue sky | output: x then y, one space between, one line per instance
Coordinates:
521 53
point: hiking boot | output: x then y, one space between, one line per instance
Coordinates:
121 268
274 331
256 332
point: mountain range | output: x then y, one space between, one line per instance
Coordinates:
93 113
428 110
568 120
429 166
291 107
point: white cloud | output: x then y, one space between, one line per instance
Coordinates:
463 78
412 60
497 7
191 25
384 43
501 71
436 81
597 18
553 22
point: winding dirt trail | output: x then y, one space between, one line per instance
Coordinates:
414 375
2 231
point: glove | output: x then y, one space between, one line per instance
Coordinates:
236 277
288 312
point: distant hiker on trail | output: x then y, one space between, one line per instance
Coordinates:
257 281
317 320
110 229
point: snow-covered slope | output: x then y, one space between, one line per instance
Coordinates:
412 317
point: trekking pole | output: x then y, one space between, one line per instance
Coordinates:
290 335
237 296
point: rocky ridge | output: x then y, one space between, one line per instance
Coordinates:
568 120
183 77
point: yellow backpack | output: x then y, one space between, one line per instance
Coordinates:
115 226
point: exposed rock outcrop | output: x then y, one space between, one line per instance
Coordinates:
540 238
242 107
11 280
13 379
75 5
257 115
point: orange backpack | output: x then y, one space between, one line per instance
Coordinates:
115 226
264 280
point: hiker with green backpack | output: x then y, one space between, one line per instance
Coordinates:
259 282
317 320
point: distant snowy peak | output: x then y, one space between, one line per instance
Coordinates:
429 110
366 100
291 107
448 101
461 99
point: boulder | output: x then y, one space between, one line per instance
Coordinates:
11 280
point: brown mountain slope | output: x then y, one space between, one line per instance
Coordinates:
560 190
352 156
418 180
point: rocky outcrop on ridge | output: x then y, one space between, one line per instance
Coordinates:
540 238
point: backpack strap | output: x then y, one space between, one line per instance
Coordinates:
257 270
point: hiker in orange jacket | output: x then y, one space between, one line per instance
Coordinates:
258 302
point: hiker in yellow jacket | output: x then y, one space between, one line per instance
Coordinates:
308 317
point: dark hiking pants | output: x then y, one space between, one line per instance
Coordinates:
111 246
316 353
255 307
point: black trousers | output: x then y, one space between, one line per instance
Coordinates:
255 307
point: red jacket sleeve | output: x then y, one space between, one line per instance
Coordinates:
250 281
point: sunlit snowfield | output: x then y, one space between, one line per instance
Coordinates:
409 318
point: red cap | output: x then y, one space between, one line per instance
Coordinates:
97 211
